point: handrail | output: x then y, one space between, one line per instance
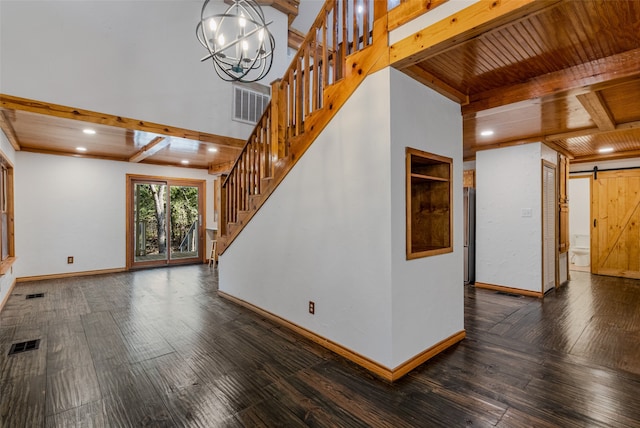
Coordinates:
189 232
341 29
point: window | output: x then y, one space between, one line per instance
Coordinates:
429 204
249 102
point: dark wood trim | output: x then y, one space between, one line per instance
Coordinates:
69 274
509 289
374 367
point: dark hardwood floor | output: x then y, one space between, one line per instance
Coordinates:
159 348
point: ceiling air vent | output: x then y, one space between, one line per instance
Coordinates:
249 102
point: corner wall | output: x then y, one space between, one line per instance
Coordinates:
428 299
68 206
509 217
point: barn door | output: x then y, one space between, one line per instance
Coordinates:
615 237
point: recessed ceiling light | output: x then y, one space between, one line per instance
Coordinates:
184 162
605 150
81 149
213 149
486 133
89 131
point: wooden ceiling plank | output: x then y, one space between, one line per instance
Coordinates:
594 75
9 132
221 168
153 147
33 106
594 104
461 27
428 79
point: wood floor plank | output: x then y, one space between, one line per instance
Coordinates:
22 401
90 415
160 348
71 387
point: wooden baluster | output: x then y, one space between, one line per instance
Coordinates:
365 23
336 43
345 38
292 103
356 36
277 104
306 71
325 54
299 86
316 79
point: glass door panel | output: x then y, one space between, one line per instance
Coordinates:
185 222
150 222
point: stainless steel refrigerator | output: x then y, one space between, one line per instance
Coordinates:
469 235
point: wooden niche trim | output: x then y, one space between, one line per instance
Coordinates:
429 202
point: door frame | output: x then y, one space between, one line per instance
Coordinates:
556 257
169 181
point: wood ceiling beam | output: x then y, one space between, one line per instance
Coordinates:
460 27
16 103
595 75
221 168
9 132
611 156
592 131
594 104
428 79
153 147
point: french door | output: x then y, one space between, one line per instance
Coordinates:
164 219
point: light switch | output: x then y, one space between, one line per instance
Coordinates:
527 212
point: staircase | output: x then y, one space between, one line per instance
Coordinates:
347 42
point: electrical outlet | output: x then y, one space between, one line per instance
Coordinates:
312 307
70 260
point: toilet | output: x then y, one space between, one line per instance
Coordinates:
579 250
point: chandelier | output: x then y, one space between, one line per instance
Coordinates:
238 40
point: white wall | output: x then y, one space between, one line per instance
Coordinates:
334 231
68 206
324 235
9 277
428 301
580 206
138 59
508 241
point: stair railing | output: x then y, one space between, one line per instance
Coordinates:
342 28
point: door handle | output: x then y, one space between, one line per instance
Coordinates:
594 222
